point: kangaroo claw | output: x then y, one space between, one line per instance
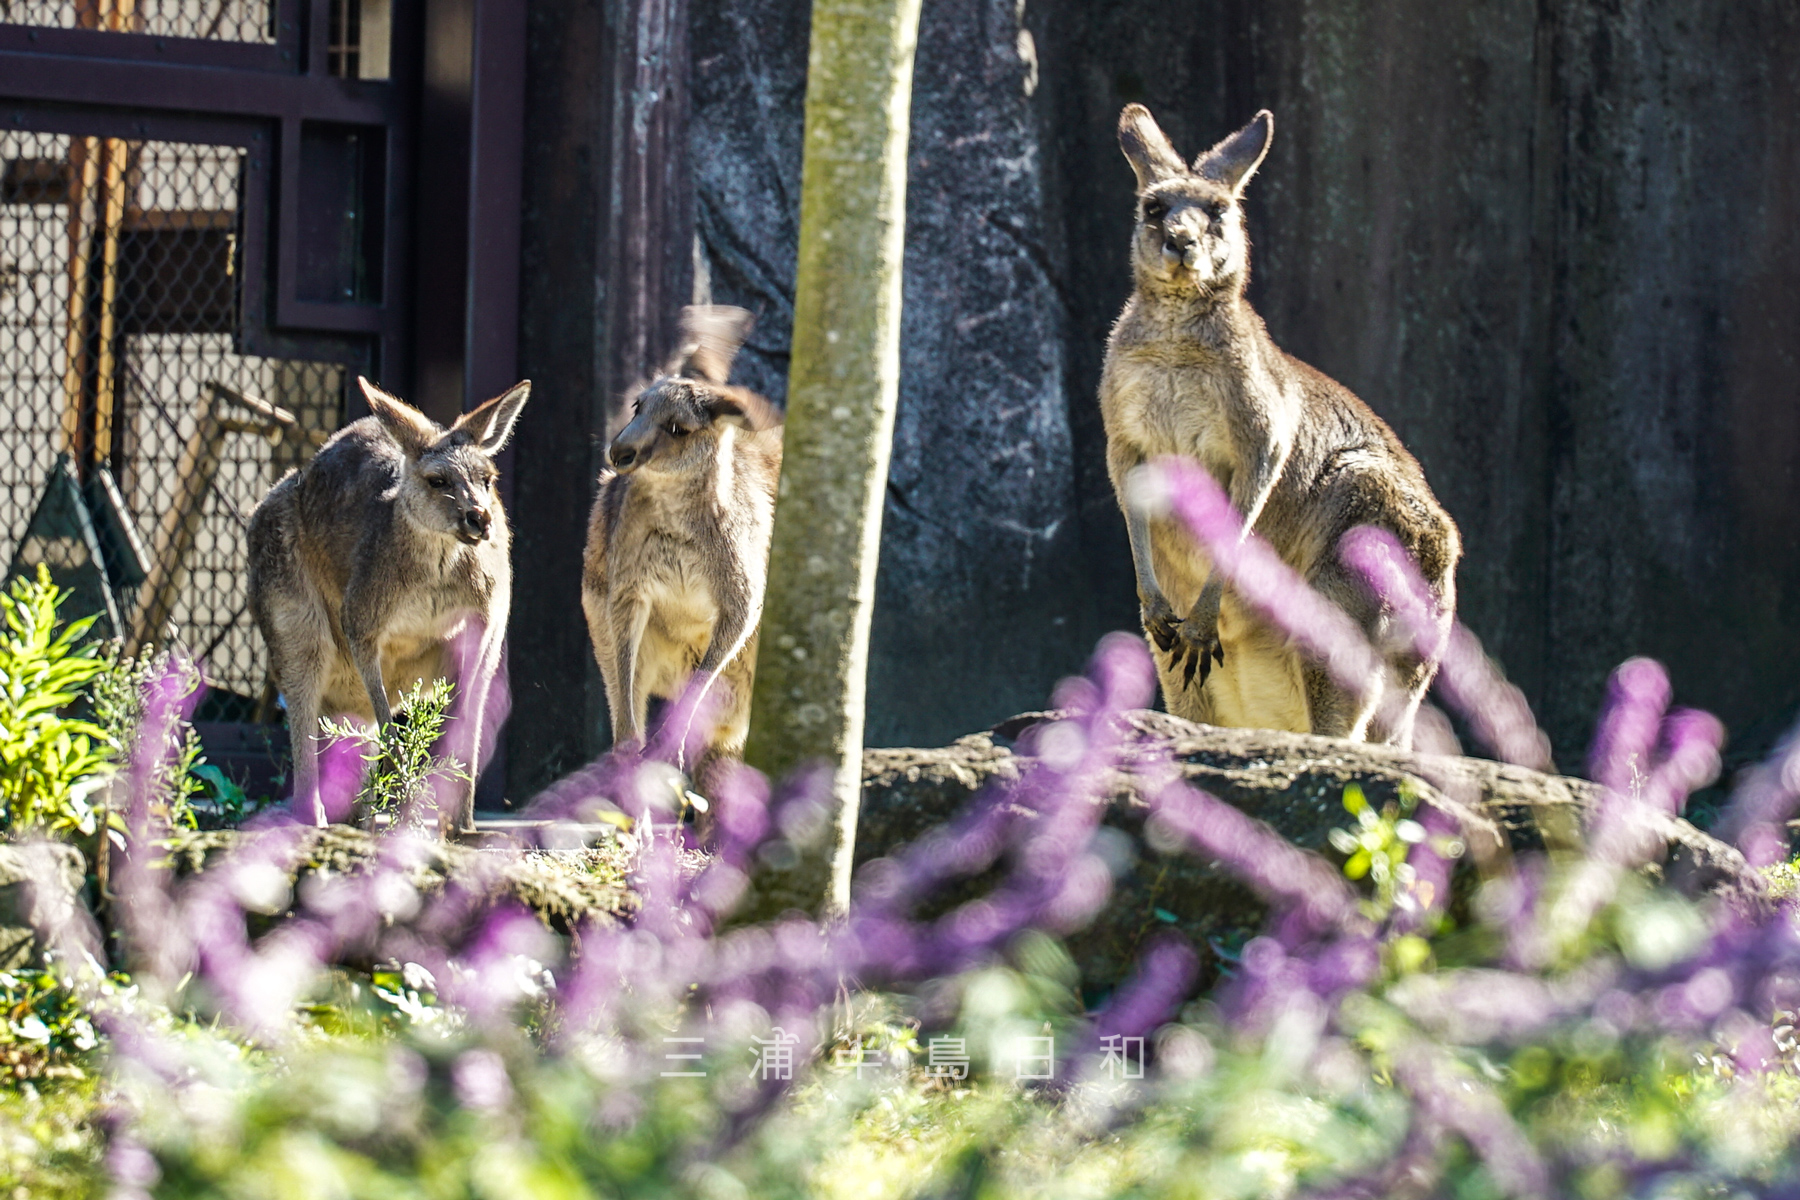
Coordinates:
1198 650
1160 626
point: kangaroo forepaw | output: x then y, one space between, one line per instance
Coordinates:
1164 635
1160 625
1197 652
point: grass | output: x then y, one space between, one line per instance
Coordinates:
49 1144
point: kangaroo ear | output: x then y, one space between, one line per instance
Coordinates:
728 409
1233 161
492 423
1151 156
710 337
412 429
743 409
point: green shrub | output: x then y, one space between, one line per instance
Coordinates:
46 1030
117 699
51 762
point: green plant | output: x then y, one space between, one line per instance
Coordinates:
1784 879
45 1031
117 700
232 800
1377 849
50 761
400 762
1379 845
50 1141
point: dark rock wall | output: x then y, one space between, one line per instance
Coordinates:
982 599
1671 158
1556 245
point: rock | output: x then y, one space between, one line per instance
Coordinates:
1293 783
40 891
564 888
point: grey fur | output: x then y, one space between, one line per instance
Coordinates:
1191 370
678 544
364 562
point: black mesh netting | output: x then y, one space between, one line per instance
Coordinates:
223 20
135 435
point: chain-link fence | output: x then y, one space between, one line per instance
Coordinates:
357 31
222 20
135 440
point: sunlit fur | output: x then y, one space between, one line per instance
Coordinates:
678 543
369 560
1191 371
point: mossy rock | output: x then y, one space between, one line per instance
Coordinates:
566 889
1292 783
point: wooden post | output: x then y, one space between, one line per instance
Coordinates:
100 180
650 206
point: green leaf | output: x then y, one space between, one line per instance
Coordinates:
223 789
49 760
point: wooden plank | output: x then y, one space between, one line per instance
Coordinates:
650 225
221 410
556 687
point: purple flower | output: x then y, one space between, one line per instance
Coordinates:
481 1081
1451 1096
1762 802
1466 678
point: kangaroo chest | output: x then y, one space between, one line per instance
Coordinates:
1178 407
679 591
451 586
672 564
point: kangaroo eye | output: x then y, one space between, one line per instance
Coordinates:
1155 210
676 430
438 481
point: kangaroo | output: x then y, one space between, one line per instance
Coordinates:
1191 370
678 543
368 560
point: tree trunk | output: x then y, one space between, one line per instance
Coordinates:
843 386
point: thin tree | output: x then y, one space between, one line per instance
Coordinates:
843 386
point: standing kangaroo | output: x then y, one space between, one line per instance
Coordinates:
367 561
1191 370
678 544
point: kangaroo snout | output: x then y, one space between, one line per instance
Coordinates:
1180 248
622 456
475 525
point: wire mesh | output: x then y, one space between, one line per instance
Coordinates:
118 311
217 20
